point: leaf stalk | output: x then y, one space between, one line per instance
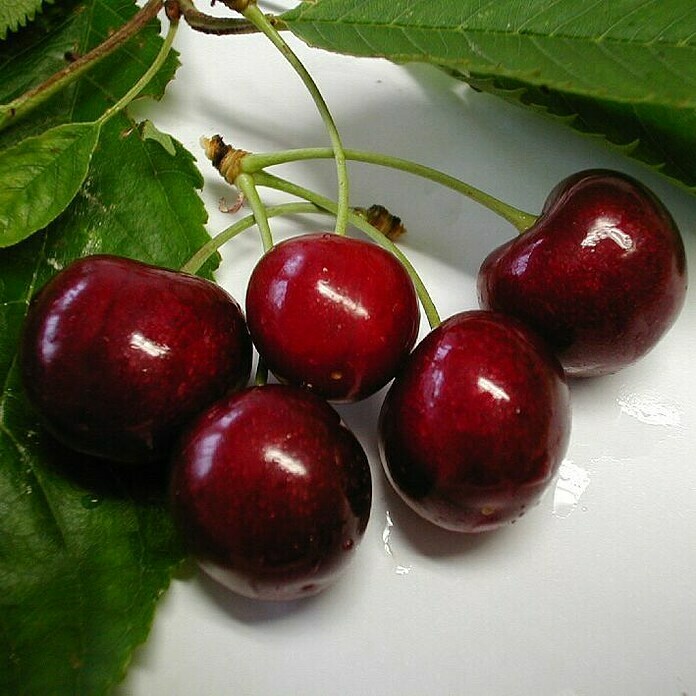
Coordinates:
18 108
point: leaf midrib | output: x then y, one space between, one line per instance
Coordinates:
462 29
480 66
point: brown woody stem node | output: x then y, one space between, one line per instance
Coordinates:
225 158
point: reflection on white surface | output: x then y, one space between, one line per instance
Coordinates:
386 540
572 482
650 407
604 228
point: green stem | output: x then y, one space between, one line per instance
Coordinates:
520 219
138 87
245 183
254 15
274 182
194 264
261 376
30 100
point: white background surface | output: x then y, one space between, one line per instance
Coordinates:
594 591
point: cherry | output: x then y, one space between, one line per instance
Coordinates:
117 355
271 492
333 314
601 275
476 425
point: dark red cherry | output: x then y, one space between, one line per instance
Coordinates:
476 425
271 492
117 355
601 275
333 314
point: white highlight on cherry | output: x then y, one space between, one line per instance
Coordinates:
604 228
148 346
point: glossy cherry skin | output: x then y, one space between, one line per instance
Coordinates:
601 275
333 314
475 427
118 355
271 492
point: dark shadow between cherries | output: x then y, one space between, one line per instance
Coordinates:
101 478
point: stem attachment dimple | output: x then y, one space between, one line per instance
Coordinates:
265 179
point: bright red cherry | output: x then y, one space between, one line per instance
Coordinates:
333 314
271 492
118 355
601 275
475 426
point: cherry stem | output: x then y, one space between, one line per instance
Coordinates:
194 264
245 183
140 85
261 376
274 182
254 15
27 102
521 220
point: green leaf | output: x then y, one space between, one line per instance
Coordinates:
663 138
628 50
16 13
85 549
149 131
33 55
624 71
41 175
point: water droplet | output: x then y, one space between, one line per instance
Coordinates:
90 501
573 480
386 540
651 407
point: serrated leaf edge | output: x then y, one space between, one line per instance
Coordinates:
514 95
20 24
465 64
